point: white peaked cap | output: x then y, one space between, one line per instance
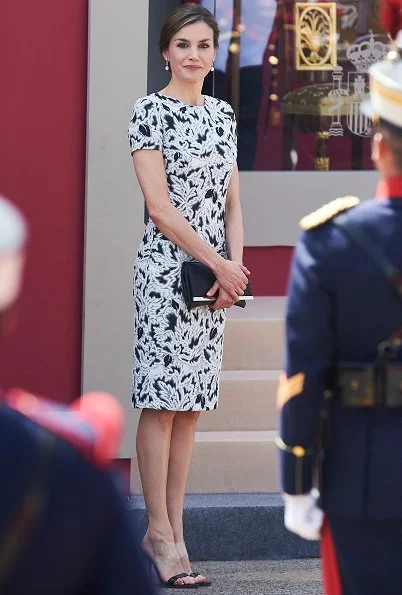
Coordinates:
13 229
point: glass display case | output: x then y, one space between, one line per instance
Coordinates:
295 74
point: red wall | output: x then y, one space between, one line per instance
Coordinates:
42 169
269 267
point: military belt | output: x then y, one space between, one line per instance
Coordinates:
376 384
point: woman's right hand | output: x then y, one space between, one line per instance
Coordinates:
232 277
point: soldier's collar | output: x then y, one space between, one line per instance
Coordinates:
389 188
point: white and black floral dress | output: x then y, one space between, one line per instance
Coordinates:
177 353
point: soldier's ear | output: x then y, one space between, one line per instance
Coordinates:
377 147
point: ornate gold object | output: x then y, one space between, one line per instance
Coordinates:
322 158
321 163
315 29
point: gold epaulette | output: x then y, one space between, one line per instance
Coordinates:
328 212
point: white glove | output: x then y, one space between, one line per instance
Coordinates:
302 515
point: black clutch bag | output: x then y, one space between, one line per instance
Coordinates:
197 279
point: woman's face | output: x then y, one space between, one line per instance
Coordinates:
191 52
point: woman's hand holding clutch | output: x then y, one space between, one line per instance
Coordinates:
200 288
224 300
232 277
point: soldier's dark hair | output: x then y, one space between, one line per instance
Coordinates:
393 138
186 14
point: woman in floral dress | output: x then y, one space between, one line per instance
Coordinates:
184 152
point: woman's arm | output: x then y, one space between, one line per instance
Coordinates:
171 223
234 236
234 220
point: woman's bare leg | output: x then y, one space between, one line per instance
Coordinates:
153 448
181 449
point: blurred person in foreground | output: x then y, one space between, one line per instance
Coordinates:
63 523
340 398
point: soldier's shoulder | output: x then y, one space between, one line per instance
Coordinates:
328 212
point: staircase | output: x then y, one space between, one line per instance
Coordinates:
234 445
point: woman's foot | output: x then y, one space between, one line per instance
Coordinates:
164 556
199 579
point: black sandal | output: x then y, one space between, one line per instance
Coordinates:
170 583
182 551
204 584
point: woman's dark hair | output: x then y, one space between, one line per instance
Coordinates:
183 15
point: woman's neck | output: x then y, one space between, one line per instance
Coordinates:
190 94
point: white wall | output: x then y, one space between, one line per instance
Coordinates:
114 206
274 202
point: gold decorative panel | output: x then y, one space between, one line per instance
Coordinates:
315 35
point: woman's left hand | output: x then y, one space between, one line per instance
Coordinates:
224 300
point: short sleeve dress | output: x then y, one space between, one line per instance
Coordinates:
177 353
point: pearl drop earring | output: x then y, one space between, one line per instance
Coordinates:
213 66
167 65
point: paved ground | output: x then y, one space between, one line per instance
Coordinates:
261 577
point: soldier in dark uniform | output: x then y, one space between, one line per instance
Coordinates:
63 524
340 397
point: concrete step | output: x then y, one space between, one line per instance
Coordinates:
254 336
234 527
226 462
247 401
